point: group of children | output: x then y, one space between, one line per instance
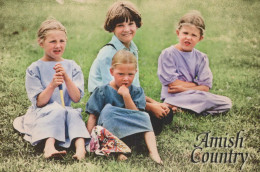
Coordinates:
117 101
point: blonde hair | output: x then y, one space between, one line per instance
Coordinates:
48 25
119 12
123 57
193 18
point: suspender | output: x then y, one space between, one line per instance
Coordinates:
110 45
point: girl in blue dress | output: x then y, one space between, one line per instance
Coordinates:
185 74
46 119
118 106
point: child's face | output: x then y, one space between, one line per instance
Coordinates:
54 45
189 36
123 74
125 32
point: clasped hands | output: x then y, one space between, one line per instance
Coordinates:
60 76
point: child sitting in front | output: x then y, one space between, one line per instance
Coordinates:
46 119
116 106
185 74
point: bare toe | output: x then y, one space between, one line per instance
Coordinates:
156 158
55 154
79 156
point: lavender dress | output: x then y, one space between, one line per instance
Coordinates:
190 67
52 120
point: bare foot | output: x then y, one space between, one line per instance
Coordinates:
156 158
51 153
80 149
79 155
121 157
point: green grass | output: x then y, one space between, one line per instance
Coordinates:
231 42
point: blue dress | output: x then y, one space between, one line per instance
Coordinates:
52 120
109 107
190 67
99 72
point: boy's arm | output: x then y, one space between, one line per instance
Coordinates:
91 123
150 100
158 109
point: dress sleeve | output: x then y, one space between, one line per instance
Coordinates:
167 71
204 74
33 84
96 102
138 97
78 78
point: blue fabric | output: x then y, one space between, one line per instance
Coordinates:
99 72
121 122
124 122
52 120
190 67
107 95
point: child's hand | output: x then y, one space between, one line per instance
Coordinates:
158 111
123 91
57 79
171 84
176 89
165 107
59 69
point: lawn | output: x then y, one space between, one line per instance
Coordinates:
231 43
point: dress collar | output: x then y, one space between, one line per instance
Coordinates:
119 45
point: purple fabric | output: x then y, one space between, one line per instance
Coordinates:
190 67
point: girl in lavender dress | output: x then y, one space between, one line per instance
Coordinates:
46 120
185 74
